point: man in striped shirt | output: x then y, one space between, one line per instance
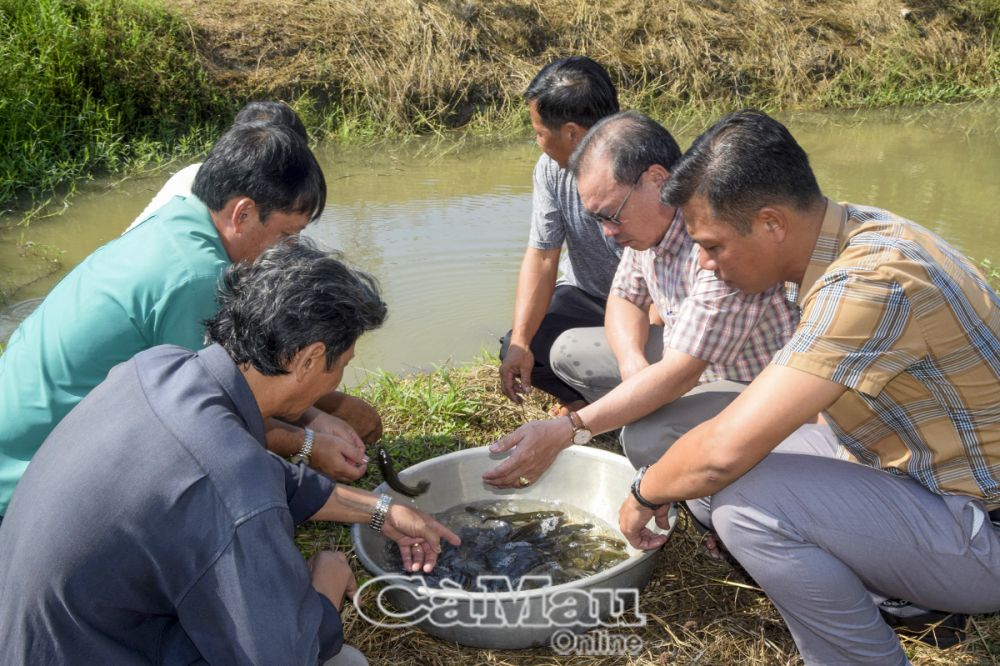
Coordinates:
899 345
714 340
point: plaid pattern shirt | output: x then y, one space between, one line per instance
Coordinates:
735 333
912 328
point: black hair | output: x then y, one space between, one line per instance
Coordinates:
632 141
268 162
272 112
575 89
742 163
290 297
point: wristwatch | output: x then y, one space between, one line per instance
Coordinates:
635 489
581 433
305 452
379 513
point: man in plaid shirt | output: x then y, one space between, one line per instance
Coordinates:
899 346
714 340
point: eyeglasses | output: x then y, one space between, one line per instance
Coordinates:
601 218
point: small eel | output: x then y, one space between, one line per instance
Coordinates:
390 476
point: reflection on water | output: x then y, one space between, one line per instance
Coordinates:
444 235
444 225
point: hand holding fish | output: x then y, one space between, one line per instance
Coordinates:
418 536
535 446
338 450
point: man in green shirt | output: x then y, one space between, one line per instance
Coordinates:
156 285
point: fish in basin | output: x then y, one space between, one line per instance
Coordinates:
508 540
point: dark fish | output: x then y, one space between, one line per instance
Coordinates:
513 545
385 466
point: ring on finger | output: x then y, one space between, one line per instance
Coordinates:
523 481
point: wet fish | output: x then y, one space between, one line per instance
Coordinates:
517 544
385 466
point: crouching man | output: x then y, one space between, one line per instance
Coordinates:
899 346
153 526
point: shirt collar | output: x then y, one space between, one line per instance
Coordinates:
217 361
675 239
829 244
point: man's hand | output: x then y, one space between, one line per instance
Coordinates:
332 576
338 457
515 372
632 521
361 416
418 536
536 445
337 451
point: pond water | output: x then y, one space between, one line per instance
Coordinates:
443 224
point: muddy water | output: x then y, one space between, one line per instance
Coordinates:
443 225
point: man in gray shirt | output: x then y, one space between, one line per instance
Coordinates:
167 538
565 99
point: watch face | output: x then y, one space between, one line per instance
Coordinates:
582 436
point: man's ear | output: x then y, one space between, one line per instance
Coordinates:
773 221
658 173
307 359
573 131
244 212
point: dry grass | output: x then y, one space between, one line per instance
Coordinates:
699 611
382 66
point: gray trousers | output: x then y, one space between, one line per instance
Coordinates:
818 532
348 656
582 358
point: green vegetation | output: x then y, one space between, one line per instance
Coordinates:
94 85
105 85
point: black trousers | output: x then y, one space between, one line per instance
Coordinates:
571 307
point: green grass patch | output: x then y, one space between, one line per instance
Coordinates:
89 86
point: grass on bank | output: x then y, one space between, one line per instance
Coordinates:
698 610
93 86
373 67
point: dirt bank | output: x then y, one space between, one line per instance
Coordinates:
418 65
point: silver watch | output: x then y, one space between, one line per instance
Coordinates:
305 453
379 513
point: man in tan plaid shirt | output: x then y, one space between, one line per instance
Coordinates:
899 345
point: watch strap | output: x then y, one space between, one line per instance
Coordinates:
379 513
635 490
305 453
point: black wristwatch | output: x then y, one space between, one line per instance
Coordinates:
635 490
